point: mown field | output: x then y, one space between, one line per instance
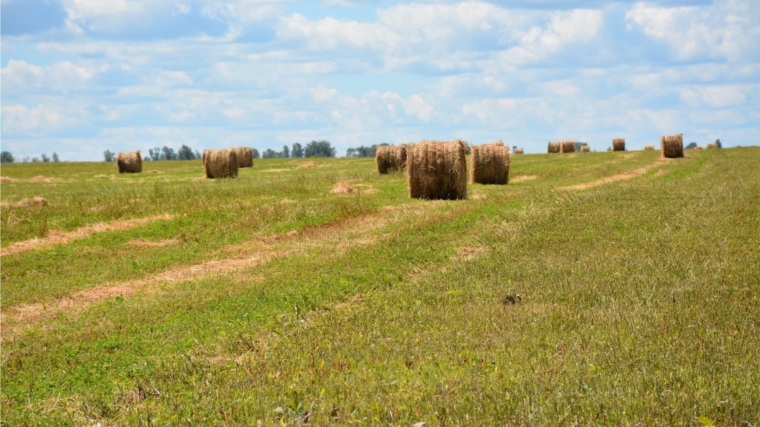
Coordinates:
167 299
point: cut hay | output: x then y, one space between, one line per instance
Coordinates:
390 158
585 149
34 201
7 179
342 188
618 144
129 162
649 147
712 146
554 147
437 170
567 146
307 165
244 156
220 163
489 164
519 150
671 147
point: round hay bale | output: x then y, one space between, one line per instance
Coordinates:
554 147
489 164
585 149
220 163
618 144
671 147
698 148
390 158
519 151
244 156
437 170
649 147
712 146
567 146
129 162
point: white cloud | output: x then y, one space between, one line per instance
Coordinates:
21 77
44 118
330 33
716 96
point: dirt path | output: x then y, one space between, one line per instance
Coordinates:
63 237
337 237
610 179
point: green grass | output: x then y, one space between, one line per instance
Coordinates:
635 303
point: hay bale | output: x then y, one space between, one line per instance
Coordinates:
554 147
567 146
519 150
585 149
671 146
390 158
712 146
244 156
489 164
649 147
697 148
220 163
618 144
437 170
129 162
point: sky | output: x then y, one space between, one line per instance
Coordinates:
83 76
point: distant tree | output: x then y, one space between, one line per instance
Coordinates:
285 152
45 158
718 143
185 153
690 146
168 153
6 157
269 154
256 154
198 154
319 149
55 157
155 153
363 151
146 159
35 159
297 151
108 156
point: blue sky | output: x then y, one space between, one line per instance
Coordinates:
83 76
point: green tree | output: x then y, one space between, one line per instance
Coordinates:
256 154
269 154
185 153
319 149
108 156
6 157
718 143
45 157
297 151
155 153
691 146
55 157
285 152
168 153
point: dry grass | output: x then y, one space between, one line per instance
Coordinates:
342 188
437 170
308 164
129 162
489 164
31 201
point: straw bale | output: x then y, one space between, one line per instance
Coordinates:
618 144
437 170
585 149
220 163
129 162
698 148
390 158
712 146
671 146
244 156
518 150
554 147
649 147
567 146
489 164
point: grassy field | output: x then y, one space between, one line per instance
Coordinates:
612 289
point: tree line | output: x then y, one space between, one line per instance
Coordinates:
7 157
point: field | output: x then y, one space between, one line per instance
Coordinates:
614 289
